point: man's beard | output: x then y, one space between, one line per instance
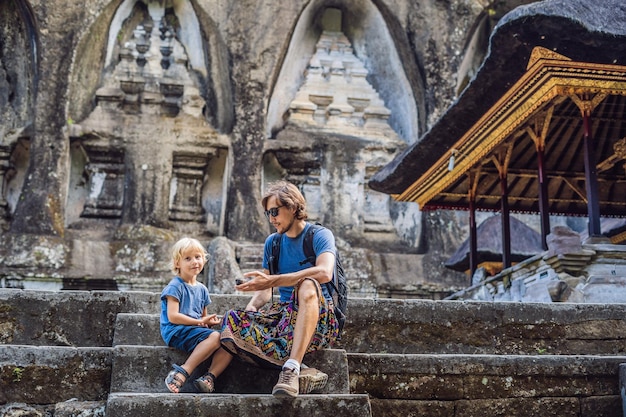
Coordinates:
293 220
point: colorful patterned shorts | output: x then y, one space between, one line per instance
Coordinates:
265 338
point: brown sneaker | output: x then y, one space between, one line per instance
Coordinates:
311 379
287 385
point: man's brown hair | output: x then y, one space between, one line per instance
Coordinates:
289 196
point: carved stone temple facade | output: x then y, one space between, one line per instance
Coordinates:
126 124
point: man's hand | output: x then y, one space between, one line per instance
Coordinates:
257 280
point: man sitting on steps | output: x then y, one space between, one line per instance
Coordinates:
303 320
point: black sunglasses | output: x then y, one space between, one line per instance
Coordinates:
272 212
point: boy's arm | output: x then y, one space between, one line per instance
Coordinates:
210 319
176 317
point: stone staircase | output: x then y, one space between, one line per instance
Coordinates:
102 351
249 256
84 353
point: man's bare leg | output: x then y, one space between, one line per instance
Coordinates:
306 323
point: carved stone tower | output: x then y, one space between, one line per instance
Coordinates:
146 154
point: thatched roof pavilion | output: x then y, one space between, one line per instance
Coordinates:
539 129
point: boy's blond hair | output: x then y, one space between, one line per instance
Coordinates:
181 246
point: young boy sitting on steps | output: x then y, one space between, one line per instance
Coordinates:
185 322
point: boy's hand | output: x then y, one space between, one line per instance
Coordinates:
212 319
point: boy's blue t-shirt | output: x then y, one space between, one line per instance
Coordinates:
292 253
192 298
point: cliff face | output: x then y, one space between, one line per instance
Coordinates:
126 124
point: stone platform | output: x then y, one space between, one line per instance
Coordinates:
76 352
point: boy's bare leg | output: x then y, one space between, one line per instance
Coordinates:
202 352
220 361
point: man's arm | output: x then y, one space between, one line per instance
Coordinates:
261 280
322 272
259 299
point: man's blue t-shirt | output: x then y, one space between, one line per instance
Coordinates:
192 298
292 253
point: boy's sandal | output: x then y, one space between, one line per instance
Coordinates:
173 381
206 383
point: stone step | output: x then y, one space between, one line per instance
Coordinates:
144 329
489 385
67 318
397 385
423 326
420 326
236 405
251 264
137 329
143 369
88 374
387 325
250 256
54 374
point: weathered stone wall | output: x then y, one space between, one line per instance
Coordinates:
129 123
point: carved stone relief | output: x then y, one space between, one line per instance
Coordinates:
186 188
340 126
148 149
105 171
336 92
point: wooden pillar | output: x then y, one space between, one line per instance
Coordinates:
473 254
506 224
471 195
591 180
586 104
544 210
501 159
538 136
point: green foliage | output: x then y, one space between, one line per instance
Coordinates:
17 374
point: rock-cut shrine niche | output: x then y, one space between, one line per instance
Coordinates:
18 69
149 143
343 117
